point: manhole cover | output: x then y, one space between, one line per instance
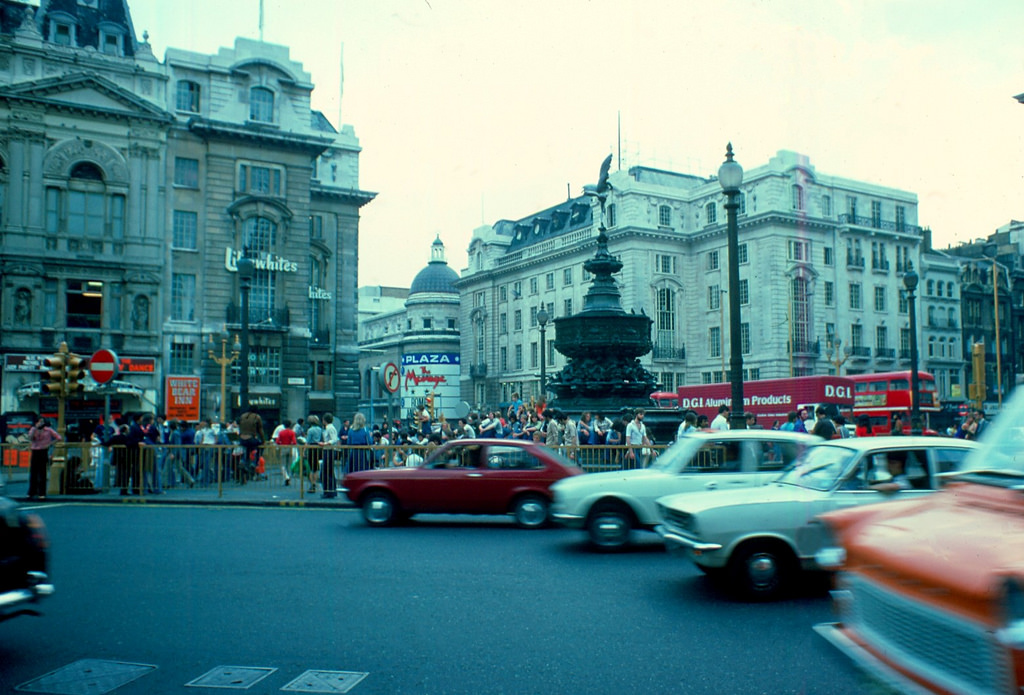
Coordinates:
325 682
87 677
240 677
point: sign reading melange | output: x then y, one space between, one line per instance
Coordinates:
264 261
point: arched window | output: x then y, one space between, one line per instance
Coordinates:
261 105
259 238
798 197
931 287
949 289
89 208
187 98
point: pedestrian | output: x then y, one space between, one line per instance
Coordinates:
981 423
687 426
152 455
752 422
250 436
314 440
117 446
570 435
863 426
287 454
721 421
842 431
41 437
801 421
637 440
176 457
823 427
359 439
328 474
897 424
551 429
103 432
136 441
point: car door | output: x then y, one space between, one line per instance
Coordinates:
720 463
506 469
445 485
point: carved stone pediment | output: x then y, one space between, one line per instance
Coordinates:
85 92
62 156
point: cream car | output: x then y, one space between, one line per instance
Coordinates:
762 538
610 505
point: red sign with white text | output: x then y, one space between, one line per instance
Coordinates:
181 399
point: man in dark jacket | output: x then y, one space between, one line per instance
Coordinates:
250 436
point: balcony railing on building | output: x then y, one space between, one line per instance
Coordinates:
884 353
860 351
876 223
805 347
662 352
260 317
854 261
478 371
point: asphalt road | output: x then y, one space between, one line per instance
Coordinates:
445 605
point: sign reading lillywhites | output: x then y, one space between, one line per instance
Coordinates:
103 366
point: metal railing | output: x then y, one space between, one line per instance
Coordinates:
220 470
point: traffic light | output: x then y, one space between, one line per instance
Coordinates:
75 370
430 405
55 373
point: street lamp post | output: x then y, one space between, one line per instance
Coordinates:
990 251
730 176
542 319
841 354
910 282
246 272
224 359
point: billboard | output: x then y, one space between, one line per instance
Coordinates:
431 372
182 398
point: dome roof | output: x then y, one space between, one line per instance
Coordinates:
437 276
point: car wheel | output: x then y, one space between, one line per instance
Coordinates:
609 526
761 570
530 511
380 508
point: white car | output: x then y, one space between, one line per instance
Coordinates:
609 505
762 538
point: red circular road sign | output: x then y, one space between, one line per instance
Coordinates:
103 366
391 377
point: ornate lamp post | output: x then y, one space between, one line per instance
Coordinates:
542 319
224 359
841 354
990 251
730 176
246 272
910 282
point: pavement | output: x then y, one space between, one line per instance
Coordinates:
269 492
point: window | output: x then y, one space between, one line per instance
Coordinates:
517 320
714 298
264 366
261 105
742 254
705 377
549 281
182 358
851 208
62 33
519 357
711 213
84 304
610 214
949 290
503 358
503 293
478 298
903 303
567 307
259 236
901 218
830 293
714 341
826 206
183 297
666 320
855 295
186 172
52 210
316 226
533 316
85 213
879 298
881 337
534 355
930 287
712 262
567 277
799 250
801 328
856 336
502 323
938 288
829 255
187 96
259 180
533 286
664 264
744 292
876 214
185 225
667 380
517 289
110 43
664 216
745 338
797 197
830 334
427 323
742 202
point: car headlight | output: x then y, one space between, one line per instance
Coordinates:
1013 606
832 555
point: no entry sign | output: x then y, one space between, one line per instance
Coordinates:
103 366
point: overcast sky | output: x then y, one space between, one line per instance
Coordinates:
470 111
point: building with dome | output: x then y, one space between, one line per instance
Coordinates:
421 338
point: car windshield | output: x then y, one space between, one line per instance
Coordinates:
676 456
819 468
1001 454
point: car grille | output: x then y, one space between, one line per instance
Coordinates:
948 650
680 520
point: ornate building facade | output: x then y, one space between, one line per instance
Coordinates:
130 187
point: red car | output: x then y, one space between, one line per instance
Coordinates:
467 476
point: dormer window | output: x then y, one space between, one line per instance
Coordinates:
187 97
261 105
62 33
110 44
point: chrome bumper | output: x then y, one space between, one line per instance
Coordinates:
677 542
868 662
18 601
566 519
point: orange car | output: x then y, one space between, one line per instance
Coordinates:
930 592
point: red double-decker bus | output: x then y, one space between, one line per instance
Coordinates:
768 399
881 395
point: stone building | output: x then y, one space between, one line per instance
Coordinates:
128 188
821 265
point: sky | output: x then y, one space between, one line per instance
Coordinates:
471 111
